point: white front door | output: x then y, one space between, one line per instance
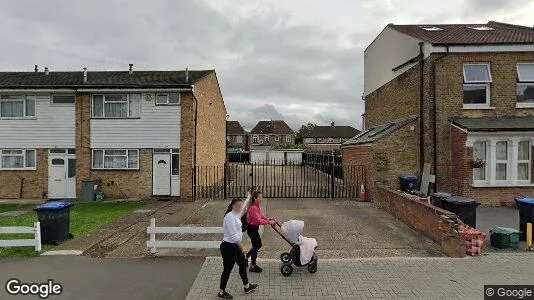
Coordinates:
61 176
161 174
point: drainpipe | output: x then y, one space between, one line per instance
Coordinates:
195 144
421 107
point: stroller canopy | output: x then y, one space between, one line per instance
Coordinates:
292 229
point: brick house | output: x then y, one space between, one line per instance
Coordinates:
236 137
328 138
140 132
472 88
268 133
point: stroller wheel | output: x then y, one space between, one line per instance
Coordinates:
312 267
285 257
286 270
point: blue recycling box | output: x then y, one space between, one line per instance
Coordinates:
55 221
526 214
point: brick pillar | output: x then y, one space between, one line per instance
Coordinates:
187 138
83 141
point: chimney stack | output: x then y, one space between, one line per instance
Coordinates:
46 71
84 75
130 70
186 75
36 69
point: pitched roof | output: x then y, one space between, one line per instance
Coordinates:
466 34
234 127
489 124
332 132
377 132
100 79
270 127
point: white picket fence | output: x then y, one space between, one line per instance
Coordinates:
35 242
154 244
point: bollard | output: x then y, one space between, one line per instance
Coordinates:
529 237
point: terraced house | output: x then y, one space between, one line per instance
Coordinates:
140 132
471 90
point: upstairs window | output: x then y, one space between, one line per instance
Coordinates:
288 139
116 106
239 139
168 99
255 139
266 138
17 106
476 88
11 159
525 85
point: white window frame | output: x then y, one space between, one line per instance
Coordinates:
266 138
276 138
522 82
239 139
478 83
288 138
167 103
486 167
104 106
104 159
25 167
23 99
512 161
255 139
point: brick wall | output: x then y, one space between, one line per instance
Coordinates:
187 140
359 156
439 225
35 182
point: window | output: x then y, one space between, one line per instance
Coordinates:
17 159
17 106
276 138
116 106
175 164
255 139
266 138
228 138
117 159
477 79
480 153
501 161
239 139
330 140
525 85
288 139
168 99
523 161
63 99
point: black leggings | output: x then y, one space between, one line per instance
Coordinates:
231 255
255 239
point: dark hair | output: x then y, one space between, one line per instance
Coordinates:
255 194
231 205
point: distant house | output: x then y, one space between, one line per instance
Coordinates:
471 87
268 133
236 136
328 138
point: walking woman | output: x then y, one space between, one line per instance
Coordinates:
255 219
232 250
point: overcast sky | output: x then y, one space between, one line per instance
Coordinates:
299 60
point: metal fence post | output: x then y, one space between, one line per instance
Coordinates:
332 182
225 180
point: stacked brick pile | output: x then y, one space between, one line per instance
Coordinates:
474 240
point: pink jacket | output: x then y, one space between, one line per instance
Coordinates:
255 217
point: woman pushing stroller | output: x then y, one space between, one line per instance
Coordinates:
255 218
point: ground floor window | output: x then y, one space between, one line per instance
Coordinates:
17 159
502 161
116 159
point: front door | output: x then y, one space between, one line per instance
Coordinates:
61 175
161 174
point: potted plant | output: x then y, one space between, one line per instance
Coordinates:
478 163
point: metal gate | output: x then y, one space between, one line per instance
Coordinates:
276 180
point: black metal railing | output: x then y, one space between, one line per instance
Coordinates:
276 180
324 163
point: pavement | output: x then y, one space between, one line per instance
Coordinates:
83 278
374 278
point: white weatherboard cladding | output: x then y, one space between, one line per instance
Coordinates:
158 127
53 126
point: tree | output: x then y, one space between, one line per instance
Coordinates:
304 129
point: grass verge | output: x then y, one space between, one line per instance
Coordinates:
84 217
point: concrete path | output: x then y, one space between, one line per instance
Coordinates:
380 278
84 278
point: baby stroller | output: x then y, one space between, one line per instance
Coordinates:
290 231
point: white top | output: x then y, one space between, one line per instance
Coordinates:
232 228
